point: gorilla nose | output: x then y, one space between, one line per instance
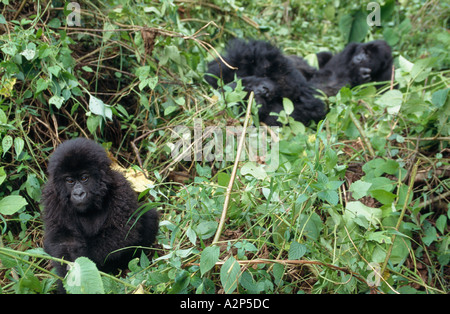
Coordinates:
78 196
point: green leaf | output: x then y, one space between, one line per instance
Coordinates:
229 275
379 236
209 258
383 196
206 229
329 196
354 26
391 101
288 106
192 236
359 189
98 107
55 69
405 65
29 52
2 175
9 205
441 223
41 85
93 122
83 277
439 98
170 109
296 251
56 100
18 145
255 170
361 214
182 280
7 143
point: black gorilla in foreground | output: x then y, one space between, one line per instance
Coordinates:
87 210
271 76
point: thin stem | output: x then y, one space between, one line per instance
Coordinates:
233 172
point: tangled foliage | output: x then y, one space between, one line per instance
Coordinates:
358 203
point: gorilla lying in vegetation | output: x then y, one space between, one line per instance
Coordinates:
273 76
355 65
88 209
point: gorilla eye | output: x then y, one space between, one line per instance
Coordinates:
69 180
84 178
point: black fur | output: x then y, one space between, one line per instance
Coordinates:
272 76
355 65
98 224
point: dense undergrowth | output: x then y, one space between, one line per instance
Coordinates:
355 204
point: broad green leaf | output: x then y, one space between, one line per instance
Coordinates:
206 229
359 189
170 109
29 52
383 196
229 275
41 85
296 251
83 277
391 101
3 118
93 122
54 69
192 236
405 65
98 107
441 223
182 280
354 26
209 258
9 205
56 100
361 214
329 196
18 145
288 106
7 143
439 98
379 236
255 170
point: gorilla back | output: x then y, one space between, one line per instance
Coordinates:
87 209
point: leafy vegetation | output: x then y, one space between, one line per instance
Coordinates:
356 204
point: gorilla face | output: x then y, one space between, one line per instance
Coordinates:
79 188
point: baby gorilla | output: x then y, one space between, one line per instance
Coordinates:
272 76
88 209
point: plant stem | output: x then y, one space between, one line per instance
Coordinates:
363 134
233 172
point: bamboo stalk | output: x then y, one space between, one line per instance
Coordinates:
233 172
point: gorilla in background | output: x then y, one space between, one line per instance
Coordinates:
355 65
87 210
271 76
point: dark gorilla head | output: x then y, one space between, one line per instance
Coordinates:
77 169
374 60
